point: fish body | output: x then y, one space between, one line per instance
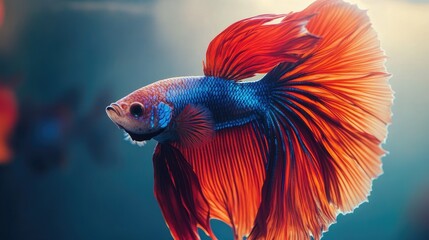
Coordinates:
243 100
276 158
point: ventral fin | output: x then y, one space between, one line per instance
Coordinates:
194 126
179 194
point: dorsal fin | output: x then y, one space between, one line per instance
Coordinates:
257 44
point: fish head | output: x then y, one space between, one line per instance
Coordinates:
143 114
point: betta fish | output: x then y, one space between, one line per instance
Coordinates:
275 158
8 119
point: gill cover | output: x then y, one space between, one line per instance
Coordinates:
164 114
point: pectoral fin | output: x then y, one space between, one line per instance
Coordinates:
194 126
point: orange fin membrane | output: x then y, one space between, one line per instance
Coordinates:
256 45
179 194
329 115
231 171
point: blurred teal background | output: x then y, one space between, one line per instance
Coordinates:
95 52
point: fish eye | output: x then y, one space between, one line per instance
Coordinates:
136 109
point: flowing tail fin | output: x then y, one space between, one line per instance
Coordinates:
328 117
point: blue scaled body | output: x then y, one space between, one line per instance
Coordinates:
230 103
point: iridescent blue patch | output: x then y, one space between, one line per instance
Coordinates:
164 114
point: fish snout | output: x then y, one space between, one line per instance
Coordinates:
114 111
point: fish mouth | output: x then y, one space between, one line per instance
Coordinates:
114 111
142 137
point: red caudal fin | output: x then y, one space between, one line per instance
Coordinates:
179 194
329 115
256 45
